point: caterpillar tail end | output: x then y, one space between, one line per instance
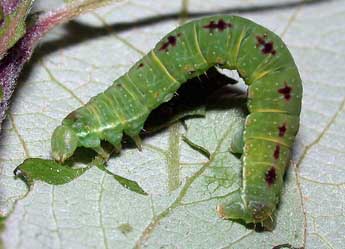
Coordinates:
63 143
235 210
254 213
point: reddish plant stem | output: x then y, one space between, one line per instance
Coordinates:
12 64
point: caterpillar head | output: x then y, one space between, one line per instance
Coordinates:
63 143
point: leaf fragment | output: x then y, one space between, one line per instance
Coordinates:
48 171
127 183
197 147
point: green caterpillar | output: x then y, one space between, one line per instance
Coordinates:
274 103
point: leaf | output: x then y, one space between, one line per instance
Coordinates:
196 147
183 187
47 171
129 184
51 172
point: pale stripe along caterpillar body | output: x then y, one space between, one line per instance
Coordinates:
274 103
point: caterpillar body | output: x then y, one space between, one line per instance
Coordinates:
274 103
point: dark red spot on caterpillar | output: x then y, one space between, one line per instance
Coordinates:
271 176
276 152
286 91
140 65
282 130
266 47
171 41
220 25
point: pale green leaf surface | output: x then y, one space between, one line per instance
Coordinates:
183 187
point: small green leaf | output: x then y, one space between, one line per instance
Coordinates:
128 184
47 171
196 147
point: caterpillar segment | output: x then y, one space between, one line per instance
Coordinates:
274 103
